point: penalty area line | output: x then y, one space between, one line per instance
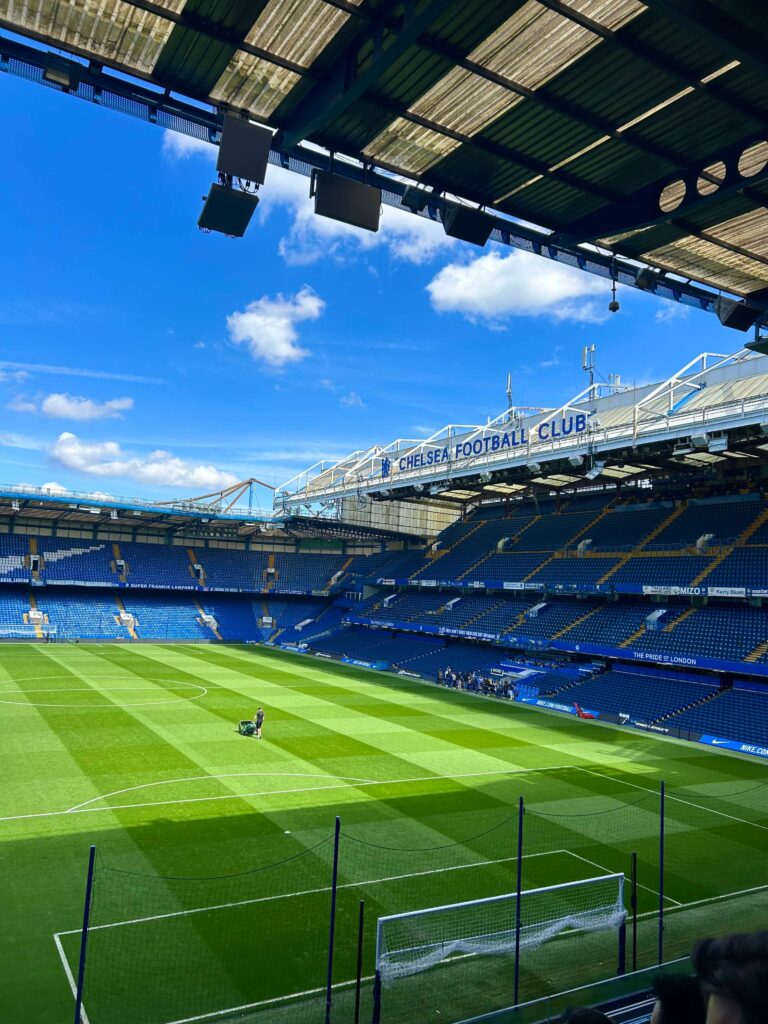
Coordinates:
68 973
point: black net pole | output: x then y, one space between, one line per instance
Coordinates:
359 974
633 905
662 802
518 909
84 937
332 924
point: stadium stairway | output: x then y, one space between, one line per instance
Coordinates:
671 626
200 619
577 622
576 536
753 527
719 558
113 565
270 578
432 557
688 707
485 611
489 554
339 574
633 636
193 561
121 608
33 607
758 652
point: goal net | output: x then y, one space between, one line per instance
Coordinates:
460 936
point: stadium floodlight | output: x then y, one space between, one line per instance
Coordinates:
485 478
699 440
595 471
414 199
60 71
718 444
647 279
738 314
533 467
576 460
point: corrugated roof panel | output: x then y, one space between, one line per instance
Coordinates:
749 231
464 102
705 261
254 84
297 30
409 146
110 29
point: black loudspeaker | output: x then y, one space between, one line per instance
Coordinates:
349 201
468 224
646 279
227 210
244 150
736 314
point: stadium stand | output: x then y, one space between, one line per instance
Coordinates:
641 695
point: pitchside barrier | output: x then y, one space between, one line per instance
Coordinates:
467 927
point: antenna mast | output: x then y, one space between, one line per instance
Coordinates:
589 363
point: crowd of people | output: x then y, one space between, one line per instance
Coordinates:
476 682
729 986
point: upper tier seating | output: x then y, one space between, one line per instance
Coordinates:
71 560
726 519
625 527
13 551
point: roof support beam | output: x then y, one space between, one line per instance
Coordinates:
721 30
354 76
642 209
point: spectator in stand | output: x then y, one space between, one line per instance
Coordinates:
733 973
679 1000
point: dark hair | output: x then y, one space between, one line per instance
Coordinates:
737 969
681 999
585 1015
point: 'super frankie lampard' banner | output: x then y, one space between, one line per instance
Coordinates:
490 444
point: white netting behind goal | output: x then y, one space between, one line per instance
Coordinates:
22 631
410 943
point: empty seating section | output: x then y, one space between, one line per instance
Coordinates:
235 615
743 567
306 571
661 570
725 519
611 624
625 527
158 565
555 616
735 714
642 696
241 570
716 632
574 571
511 566
86 615
14 604
80 561
13 551
165 616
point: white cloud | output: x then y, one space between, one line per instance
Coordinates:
495 287
199 344
19 376
75 371
20 403
181 147
351 401
53 487
76 407
30 444
268 327
159 468
670 311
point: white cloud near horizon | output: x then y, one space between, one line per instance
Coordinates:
158 468
268 327
495 287
76 371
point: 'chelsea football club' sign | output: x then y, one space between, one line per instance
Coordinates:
489 444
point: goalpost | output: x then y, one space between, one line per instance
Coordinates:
460 935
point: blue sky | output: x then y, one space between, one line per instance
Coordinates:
139 356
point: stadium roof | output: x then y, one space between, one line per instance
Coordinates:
712 410
638 126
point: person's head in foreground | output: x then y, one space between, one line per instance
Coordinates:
679 1000
733 973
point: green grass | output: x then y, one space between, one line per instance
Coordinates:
134 749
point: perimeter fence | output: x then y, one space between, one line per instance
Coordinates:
293 938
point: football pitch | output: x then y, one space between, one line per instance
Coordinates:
215 851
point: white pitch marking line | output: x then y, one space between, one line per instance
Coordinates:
309 892
669 796
83 809
68 972
602 867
